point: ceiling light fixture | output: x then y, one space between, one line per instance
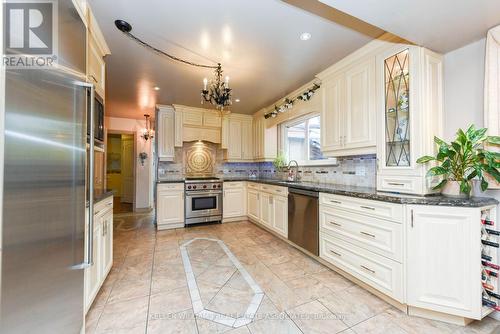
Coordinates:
237 100
156 88
305 36
217 93
147 133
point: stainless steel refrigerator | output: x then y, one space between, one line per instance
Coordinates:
43 253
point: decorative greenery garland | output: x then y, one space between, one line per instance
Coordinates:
288 103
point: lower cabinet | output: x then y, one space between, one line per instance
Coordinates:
102 250
268 205
234 200
169 205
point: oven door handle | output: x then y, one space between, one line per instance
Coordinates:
204 193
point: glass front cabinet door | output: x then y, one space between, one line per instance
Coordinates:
409 111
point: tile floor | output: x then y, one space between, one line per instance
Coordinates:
147 290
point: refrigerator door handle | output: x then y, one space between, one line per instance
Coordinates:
89 258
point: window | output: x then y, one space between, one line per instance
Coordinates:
301 140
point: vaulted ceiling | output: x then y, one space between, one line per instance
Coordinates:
257 43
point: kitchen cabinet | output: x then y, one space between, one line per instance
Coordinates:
265 140
178 129
170 205
239 141
234 200
97 49
444 259
268 205
253 204
102 250
165 133
348 112
409 115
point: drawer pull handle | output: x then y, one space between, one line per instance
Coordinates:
368 234
278 191
336 202
335 253
336 224
367 207
396 184
368 269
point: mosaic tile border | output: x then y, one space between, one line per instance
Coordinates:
199 308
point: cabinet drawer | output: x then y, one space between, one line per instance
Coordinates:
170 186
364 206
401 184
377 271
103 205
277 190
253 185
234 184
377 235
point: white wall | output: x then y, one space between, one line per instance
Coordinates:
143 174
463 91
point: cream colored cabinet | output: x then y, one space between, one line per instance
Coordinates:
265 140
234 200
266 209
239 142
348 112
280 215
170 205
165 133
253 203
444 259
409 111
211 119
97 49
178 131
102 250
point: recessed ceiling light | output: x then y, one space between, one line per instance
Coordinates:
237 100
305 36
156 88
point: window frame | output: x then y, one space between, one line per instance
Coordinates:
283 144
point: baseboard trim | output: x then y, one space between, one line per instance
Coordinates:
434 315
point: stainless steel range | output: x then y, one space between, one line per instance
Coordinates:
203 200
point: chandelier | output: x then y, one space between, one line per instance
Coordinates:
147 133
217 92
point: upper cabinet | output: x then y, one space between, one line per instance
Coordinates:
348 111
409 111
166 133
265 139
97 49
197 124
237 134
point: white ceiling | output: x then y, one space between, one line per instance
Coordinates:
440 25
256 41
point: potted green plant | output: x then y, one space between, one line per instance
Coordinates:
463 160
280 163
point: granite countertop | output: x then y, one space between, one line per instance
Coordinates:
99 195
366 193
179 180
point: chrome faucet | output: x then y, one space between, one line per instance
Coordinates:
295 176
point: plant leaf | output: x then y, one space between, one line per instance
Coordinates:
493 140
492 171
424 159
439 141
465 187
438 170
440 184
484 184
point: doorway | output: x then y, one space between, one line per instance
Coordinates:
120 171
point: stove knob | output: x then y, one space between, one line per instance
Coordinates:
214 186
189 187
218 186
194 187
204 186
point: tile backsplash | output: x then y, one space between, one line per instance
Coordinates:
355 170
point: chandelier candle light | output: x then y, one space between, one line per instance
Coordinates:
218 92
147 133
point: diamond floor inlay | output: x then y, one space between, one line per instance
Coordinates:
237 296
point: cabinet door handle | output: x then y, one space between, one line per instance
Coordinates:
368 269
336 202
411 219
335 253
368 234
96 212
396 184
93 78
336 224
367 207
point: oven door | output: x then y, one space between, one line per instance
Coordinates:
203 204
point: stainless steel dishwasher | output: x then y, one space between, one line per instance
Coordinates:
303 219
